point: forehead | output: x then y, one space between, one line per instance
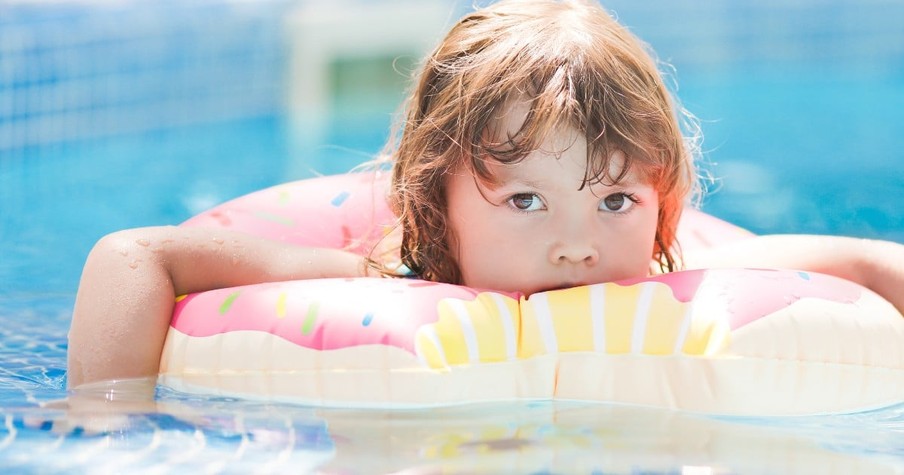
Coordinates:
512 128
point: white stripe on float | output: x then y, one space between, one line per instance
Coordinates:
641 316
467 329
511 340
598 316
544 322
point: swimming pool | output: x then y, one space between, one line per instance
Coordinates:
800 147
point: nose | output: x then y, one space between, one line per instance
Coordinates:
574 248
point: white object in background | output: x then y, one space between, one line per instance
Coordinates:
322 33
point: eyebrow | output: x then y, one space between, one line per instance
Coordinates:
513 180
526 183
627 181
632 178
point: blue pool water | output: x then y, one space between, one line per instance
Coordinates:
797 147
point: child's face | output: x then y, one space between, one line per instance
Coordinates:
536 231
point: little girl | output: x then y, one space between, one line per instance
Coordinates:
540 150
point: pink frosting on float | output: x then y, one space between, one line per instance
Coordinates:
320 314
750 294
341 212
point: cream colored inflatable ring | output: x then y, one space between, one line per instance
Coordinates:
743 342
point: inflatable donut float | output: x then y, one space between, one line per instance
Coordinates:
729 341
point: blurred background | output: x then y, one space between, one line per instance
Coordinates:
128 113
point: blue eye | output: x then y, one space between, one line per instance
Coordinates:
618 202
526 202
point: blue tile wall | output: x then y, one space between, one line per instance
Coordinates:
71 71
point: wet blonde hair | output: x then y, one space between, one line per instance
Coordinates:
575 66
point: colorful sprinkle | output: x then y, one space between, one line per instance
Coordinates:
367 319
339 199
310 318
281 305
224 307
803 275
284 197
180 298
274 218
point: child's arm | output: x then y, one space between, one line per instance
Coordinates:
877 265
126 295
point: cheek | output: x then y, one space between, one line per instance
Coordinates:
490 259
471 243
640 240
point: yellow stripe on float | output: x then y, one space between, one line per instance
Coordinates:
468 332
510 315
684 328
451 334
429 349
531 342
481 330
545 324
571 318
491 326
665 320
620 310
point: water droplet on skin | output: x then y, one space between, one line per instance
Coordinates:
134 264
218 240
143 242
235 259
123 252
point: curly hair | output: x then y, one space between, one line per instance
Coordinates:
575 66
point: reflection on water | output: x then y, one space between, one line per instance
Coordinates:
112 428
